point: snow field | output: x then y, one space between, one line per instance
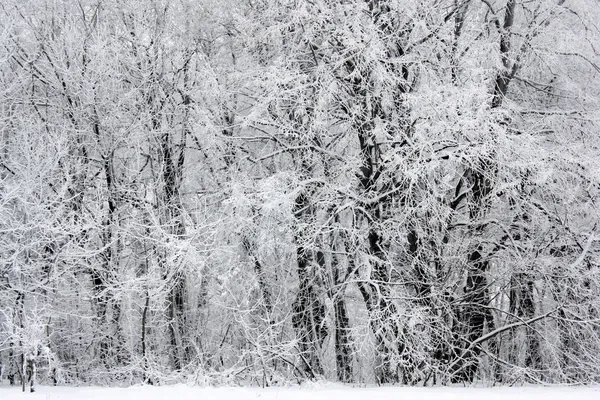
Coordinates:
329 392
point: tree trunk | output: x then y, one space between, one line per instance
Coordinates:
172 170
476 296
343 336
308 311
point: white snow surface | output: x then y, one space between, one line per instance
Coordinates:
327 392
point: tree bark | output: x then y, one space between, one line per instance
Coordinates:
308 316
343 337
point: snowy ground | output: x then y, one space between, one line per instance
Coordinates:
182 392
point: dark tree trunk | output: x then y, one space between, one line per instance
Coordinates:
172 170
376 291
474 317
265 291
343 340
309 314
11 364
110 341
343 337
476 297
377 294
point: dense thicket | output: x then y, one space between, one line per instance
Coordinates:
369 191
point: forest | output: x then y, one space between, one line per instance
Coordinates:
265 192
